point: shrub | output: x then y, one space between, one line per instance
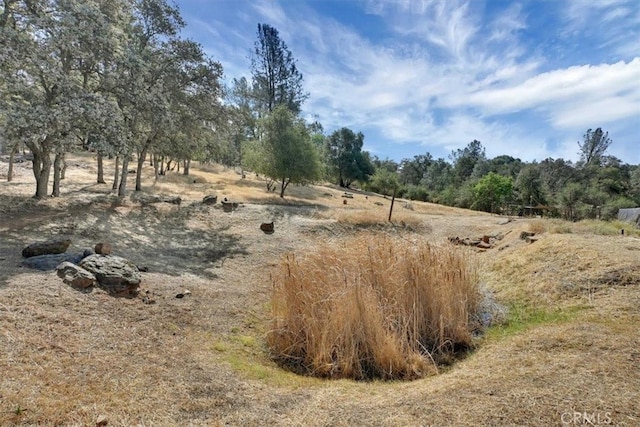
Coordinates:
373 308
416 192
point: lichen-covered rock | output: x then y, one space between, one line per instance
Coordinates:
116 275
75 276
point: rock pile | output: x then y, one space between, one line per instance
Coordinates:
484 242
114 274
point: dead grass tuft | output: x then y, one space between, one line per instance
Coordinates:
592 226
378 216
537 226
372 307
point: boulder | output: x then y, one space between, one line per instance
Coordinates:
483 245
210 200
526 234
75 276
50 247
267 227
50 262
229 206
116 275
103 248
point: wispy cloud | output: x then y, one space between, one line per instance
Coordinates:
447 24
571 97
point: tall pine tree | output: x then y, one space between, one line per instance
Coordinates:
276 79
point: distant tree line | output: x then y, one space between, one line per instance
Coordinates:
115 77
594 187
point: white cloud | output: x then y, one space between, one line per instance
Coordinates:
576 96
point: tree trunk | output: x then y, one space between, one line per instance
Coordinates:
14 150
156 167
41 170
141 156
57 173
63 169
162 166
115 174
100 179
283 187
178 166
123 178
168 166
187 165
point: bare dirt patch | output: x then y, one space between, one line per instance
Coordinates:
68 357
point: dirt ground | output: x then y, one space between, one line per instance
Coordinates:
569 356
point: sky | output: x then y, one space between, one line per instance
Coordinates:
526 78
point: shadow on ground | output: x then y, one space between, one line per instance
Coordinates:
158 236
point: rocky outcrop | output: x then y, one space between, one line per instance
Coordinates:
75 276
49 247
116 275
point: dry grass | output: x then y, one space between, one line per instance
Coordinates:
373 307
584 227
537 226
374 216
66 357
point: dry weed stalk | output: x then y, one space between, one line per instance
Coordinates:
372 308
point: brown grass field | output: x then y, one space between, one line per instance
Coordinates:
567 354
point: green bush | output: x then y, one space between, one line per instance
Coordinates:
415 192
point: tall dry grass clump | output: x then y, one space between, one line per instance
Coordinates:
373 307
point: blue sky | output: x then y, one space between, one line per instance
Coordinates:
526 78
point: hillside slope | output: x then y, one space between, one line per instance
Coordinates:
569 352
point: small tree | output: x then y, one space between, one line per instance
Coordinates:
286 153
384 182
491 191
529 185
345 158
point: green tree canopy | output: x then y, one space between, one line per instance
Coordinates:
412 171
529 185
491 192
593 146
384 182
345 158
286 154
465 160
